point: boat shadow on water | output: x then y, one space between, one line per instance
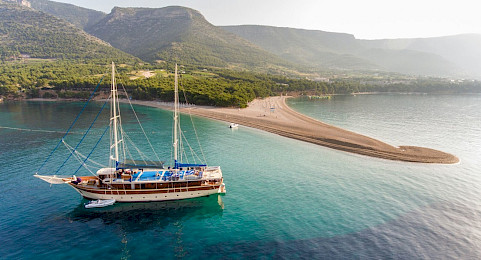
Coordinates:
145 215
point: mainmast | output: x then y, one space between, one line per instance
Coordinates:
176 118
114 118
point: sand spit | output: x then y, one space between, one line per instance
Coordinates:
274 116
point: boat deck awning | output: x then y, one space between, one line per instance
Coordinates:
190 165
129 164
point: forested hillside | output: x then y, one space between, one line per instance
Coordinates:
314 48
215 87
182 35
25 32
45 56
78 16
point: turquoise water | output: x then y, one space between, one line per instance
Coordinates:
285 198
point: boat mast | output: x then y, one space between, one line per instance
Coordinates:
114 118
176 119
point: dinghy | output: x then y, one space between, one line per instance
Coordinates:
99 203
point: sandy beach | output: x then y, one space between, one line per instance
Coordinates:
273 115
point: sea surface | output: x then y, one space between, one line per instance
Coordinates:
285 198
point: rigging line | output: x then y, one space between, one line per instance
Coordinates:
138 121
172 141
193 125
128 152
125 146
83 137
73 123
122 133
77 157
127 141
197 137
185 156
192 151
141 127
142 155
70 148
95 146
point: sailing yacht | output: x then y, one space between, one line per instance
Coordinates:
128 180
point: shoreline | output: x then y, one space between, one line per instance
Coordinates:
273 115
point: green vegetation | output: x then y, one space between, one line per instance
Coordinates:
214 87
26 33
44 56
182 35
78 16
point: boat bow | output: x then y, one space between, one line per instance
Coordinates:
54 179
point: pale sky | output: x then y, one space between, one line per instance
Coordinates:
366 19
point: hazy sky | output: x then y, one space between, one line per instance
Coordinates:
366 19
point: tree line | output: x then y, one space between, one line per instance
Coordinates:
219 87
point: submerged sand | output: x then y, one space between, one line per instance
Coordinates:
274 116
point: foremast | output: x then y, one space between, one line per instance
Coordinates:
114 122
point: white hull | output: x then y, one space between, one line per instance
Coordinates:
148 197
99 203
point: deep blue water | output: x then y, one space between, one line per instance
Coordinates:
285 198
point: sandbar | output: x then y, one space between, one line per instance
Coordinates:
273 115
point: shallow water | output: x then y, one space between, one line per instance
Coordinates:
284 198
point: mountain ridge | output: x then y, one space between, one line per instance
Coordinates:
179 34
369 54
39 35
79 16
268 46
461 49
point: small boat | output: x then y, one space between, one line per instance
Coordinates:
233 125
99 203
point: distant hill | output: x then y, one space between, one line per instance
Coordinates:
79 16
445 56
179 34
462 51
183 35
308 47
38 35
410 62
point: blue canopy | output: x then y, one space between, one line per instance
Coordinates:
189 165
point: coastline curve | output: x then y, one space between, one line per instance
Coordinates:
292 124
